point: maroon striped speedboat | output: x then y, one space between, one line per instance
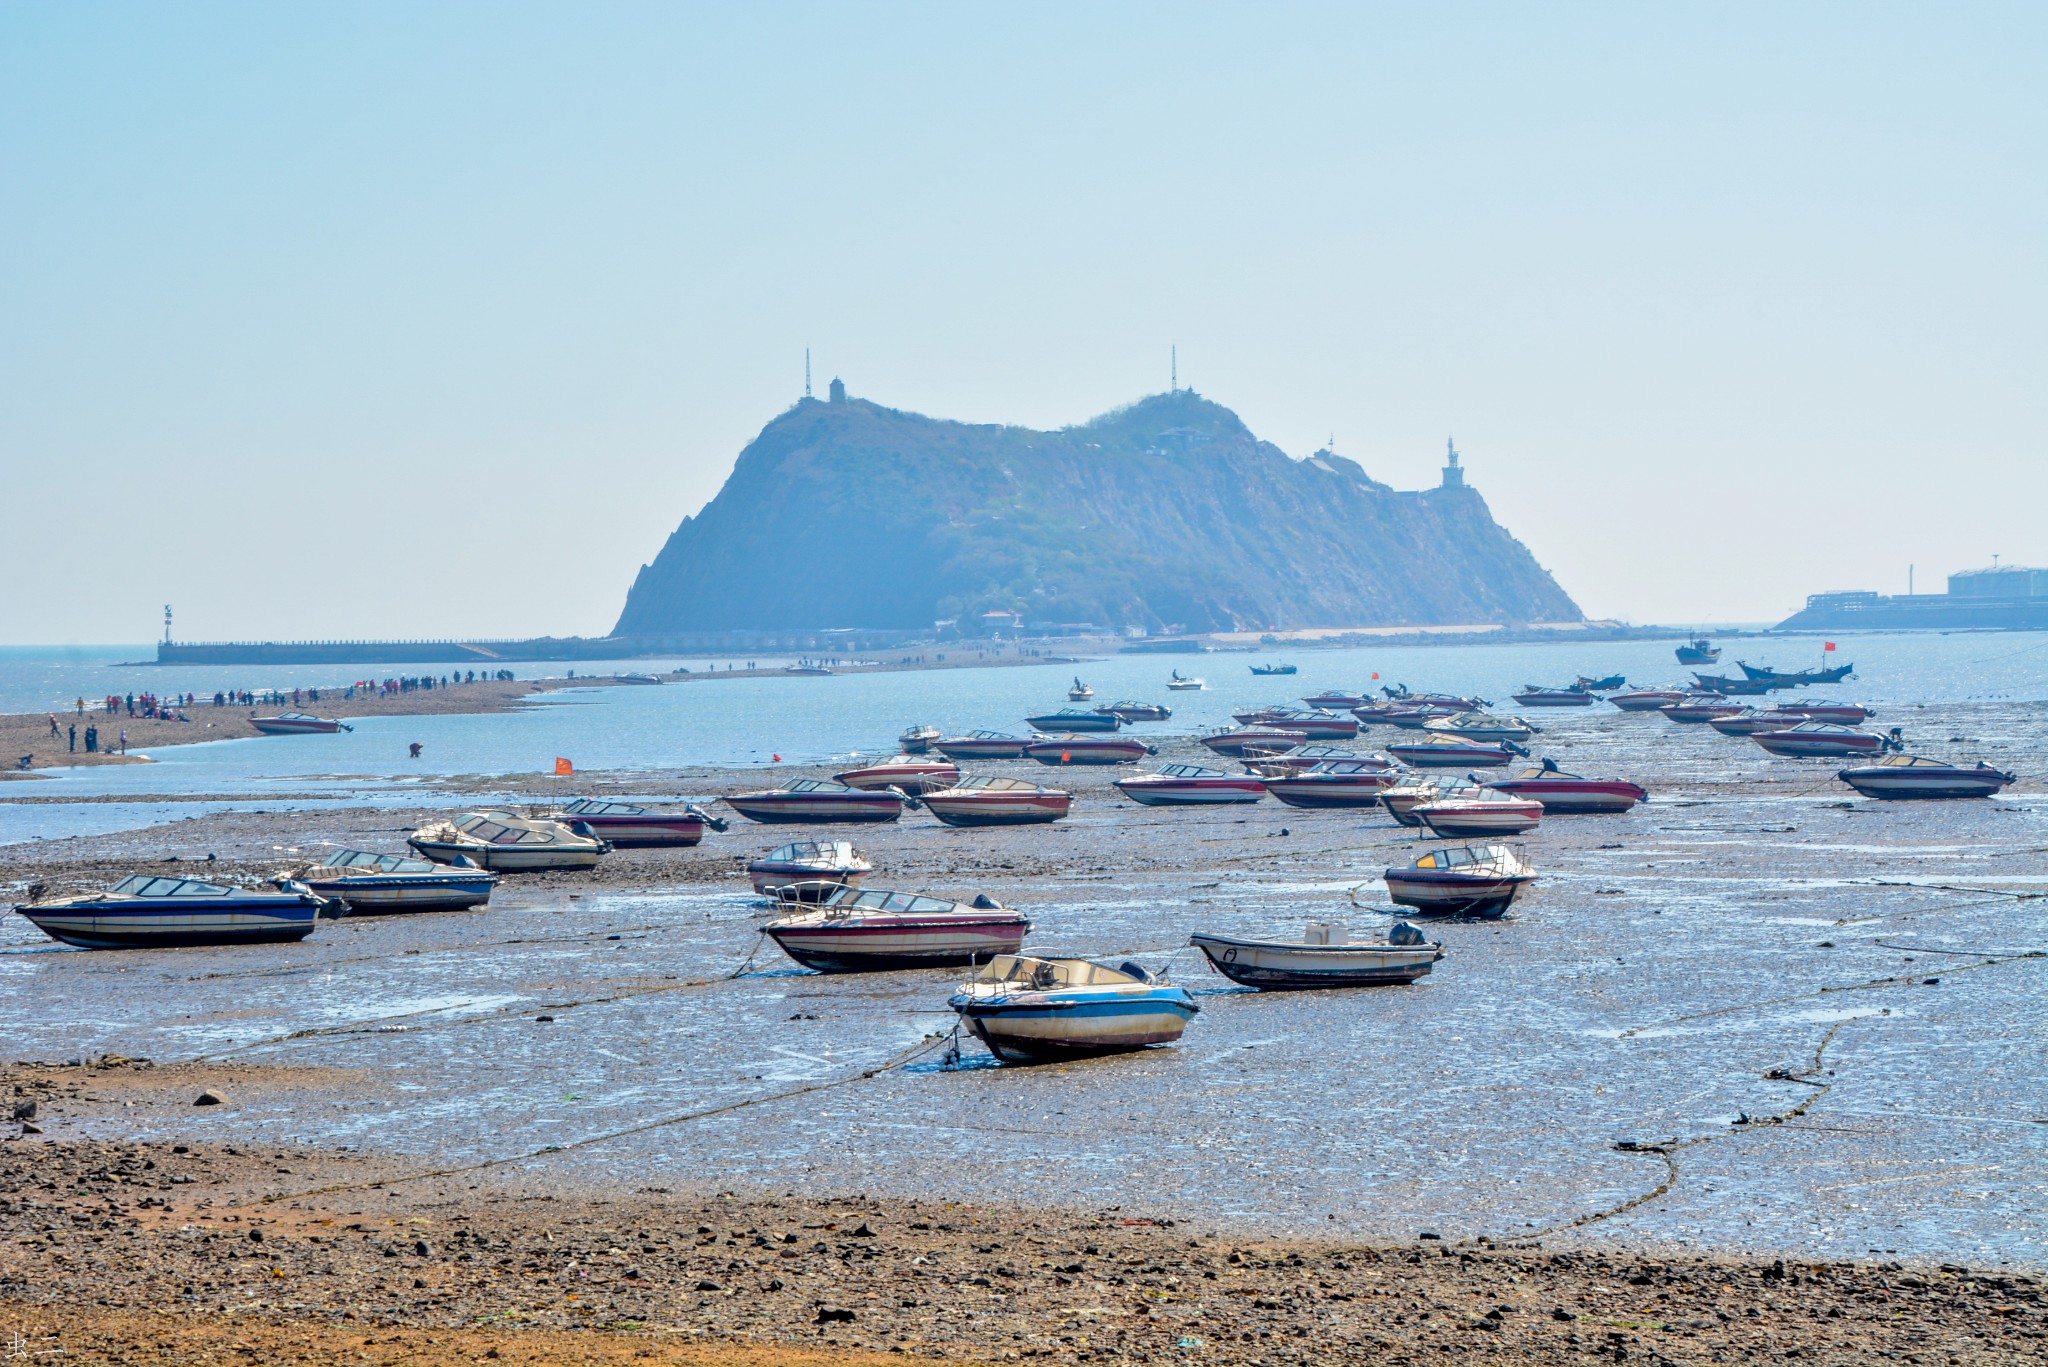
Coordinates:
816 800
855 930
630 825
1190 785
1560 792
1058 750
1244 739
1335 783
908 773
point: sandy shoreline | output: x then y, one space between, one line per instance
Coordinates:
199 1251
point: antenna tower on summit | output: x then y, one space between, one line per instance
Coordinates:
807 372
1454 478
1173 371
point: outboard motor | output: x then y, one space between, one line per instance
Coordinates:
1138 971
983 902
716 823
1405 934
1515 749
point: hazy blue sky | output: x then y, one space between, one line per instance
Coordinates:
380 319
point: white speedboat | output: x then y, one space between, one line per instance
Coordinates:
1334 783
147 911
1486 811
1461 880
1325 956
298 724
1030 1009
1181 683
855 930
630 824
905 773
1413 790
808 869
1910 776
372 884
982 745
816 800
1188 785
995 801
504 842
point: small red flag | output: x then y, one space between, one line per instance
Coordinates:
563 768
1066 756
1827 645
776 758
1375 673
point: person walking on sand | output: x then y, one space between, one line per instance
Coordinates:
53 725
124 740
74 739
416 747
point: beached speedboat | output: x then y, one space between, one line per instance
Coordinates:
1751 720
1847 713
505 842
808 869
639 680
981 745
1533 695
1190 785
1181 683
1406 717
1239 741
1438 751
1481 726
627 824
807 667
1029 1009
859 930
1335 783
1701 707
298 724
1326 956
907 773
1563 794
1461 880
1314 725
1075 719
1334 700
371 884
147 911
1825 740
917 740
1646 699
1058 750
1910 776
1275 668
816 800
1128 712
998 802
1412 791
1484 812
1271 763
1080 692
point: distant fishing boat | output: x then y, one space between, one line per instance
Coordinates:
1485 811
371 884
1602 685
1272 669
1698 651
816 800
1190 785
862 930
908 773
1181 683
1796 678
1324 957
298 724
1734 687
1030 1009
1128 712
1911 776
990 801
146 911
505 842
1334 783
1075 719
1239 741
1564 793
1825 740
982 745
916 740
1439 751
807 870
1461 880
629 824
1080 692
1070 749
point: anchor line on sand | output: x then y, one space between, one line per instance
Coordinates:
924 1045
1955 887
437 949
1669 1150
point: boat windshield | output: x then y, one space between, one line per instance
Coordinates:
990 735
817 785
588 806
495 831
848 899
1189 771
998 785
1023 971
383 863
149 885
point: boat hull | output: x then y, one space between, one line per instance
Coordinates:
1000 809
1894 786
968 747
808 810
1192 792
639 832
111 926
1562 699
1237 743
860 945
403 893
923 779
1058 753
1043 1027
509 859
1647 701
1594 797
1461 821
800 884
1351 790
1452 756
272 726
1452 894
1791 746
1277 967
1075 721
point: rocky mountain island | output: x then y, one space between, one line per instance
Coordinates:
1168 514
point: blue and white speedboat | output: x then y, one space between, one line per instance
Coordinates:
149 912
381 884
1029 1010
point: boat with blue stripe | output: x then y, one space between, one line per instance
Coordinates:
147 911
1031 1010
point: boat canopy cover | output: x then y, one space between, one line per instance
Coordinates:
1190 771
152 885
990 735
382 863
816 785
1921 762
1468 859
824 851
590 806
499 828
1549 771
1051 973
996 785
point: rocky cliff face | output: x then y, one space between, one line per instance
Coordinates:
1168 513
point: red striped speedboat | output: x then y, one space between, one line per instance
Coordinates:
815 800
1128 712
1408 718
298 724
1560 792
1436 751
1245 739
806 870
1461 880
1334 700
1086 750
1190 785
1484 812
1074 719
1404 797
860 930
1306 757
998 802
628 824
1751 720
1314 725
1337 783
982 745
150 912
909 773
1846 713
1533 695
1825 740
1702 707
1909 776
1646 699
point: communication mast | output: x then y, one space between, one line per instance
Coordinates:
167 624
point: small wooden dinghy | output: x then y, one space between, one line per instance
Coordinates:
1324 957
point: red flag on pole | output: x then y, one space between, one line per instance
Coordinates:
1827 645
563 768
